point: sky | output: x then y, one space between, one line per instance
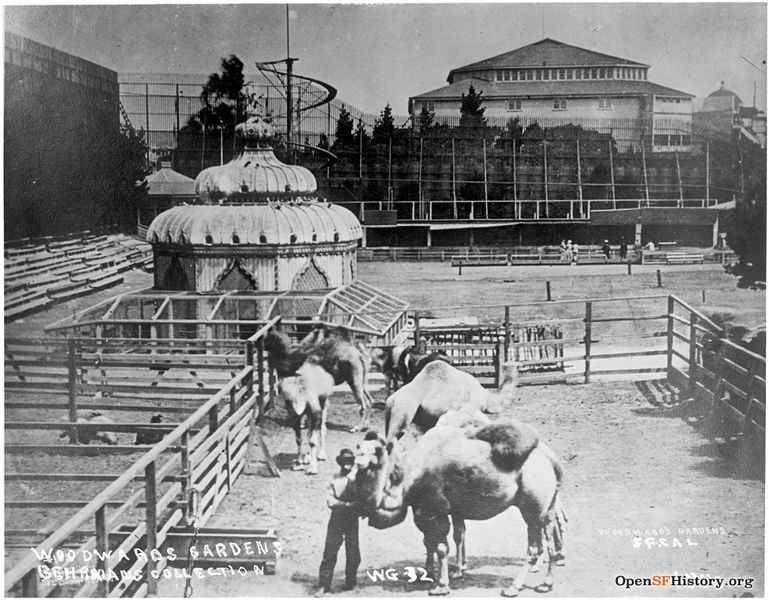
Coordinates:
376 54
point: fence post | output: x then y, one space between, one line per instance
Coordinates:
497 365
692 354
507 333
659 278
260 380
250 363
416 331
671 308
101 550
72 376
588 337
186 471
150 489
629 269
549 298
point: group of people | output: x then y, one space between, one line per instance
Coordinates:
570 251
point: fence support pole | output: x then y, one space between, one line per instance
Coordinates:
516 207
150 488
101 550
454 179
549 298
692 354
507 333
250 363
659 278
416 330
629 269
72 384
498 365
680 183
588 337
579 181
485 181
611 171
671 309
707 174
260 380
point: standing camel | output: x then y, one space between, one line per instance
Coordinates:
452 475
341 358
400 364
306 394
438 389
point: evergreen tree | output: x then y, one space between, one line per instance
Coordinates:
472 109
426 120
227 85
384 126
344 131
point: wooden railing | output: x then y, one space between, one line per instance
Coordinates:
729 377
156 493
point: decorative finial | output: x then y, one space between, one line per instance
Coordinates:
255 129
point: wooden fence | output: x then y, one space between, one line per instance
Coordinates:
180 480
725 375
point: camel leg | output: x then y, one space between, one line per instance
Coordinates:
314 435
534 552
301 458
548 532
459 540
436 540
323 428
558 524
364 402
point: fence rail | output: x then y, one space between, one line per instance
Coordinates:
208 452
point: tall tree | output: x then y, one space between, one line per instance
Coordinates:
226 85
472 109
384 126
344 138
426 120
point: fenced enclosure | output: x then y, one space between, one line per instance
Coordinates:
507 169
149 504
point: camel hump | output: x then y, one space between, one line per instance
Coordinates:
511 443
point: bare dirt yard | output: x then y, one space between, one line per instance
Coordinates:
638 463
641 462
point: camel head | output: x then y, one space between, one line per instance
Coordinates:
378 481
276 343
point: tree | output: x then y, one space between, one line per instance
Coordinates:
471 111
746 227
225 85
384 126
426 120
344 138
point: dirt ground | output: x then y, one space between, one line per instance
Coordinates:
636 457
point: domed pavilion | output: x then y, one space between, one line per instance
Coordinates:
257 242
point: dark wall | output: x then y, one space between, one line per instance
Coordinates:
58 137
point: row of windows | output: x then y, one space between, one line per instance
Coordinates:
516 104
672 140
627 73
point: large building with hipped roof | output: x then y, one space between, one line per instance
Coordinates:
554 83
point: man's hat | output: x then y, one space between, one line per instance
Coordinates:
346 456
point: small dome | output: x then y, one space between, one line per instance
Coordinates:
255 224
253 173
722 91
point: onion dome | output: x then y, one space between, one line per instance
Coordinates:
256 224
255 173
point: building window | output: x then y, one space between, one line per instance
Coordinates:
546 74
593 73
577 73
604 103
530 75
514 104
561 74
559 103
661 140
498 75
610 73
569 73
539 74
513 75
507 75
429 106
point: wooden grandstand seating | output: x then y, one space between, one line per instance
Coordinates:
41 271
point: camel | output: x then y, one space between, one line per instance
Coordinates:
341 358
306 395
456 474
438 389
402 364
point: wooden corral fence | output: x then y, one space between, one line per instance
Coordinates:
175 484
565 339
724 374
